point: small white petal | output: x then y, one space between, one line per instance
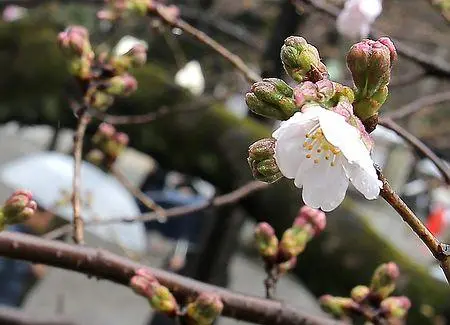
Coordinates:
126 43
325 186
191 78
365 179
303 170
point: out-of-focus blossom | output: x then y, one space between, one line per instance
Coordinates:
191 78
355 19
13 13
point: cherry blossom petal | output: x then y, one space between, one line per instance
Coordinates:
365 181
325 186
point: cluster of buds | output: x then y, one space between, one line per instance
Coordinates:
282 254
370 64
159 297
372 302
18 208
262 161
116 9
204 310
74 42
108 145
104 76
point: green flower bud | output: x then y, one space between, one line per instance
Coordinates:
262 162
301 60
18 208
266 241
359 293
80 67
159 297
395 307
205 309
271 98
122 85
294 241
383 280
95 157
100 100
370 63
337 306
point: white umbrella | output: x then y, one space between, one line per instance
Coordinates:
49 177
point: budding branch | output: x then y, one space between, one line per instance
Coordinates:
108 266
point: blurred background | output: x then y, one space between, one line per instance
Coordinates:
199 150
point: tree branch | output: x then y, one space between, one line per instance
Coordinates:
434 65
78 231
105 265
162 12
222 200
11 316
436 248
418 104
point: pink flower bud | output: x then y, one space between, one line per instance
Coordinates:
285 267
314 217
205 309
107 130
266 241
138 54
122 85
383 280
386 41
122 138
395 307
75 40
19 207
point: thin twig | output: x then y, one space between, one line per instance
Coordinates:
149 203
151 116
435 65
108 266
78 231
418 104
427 237
419 145
218 201
161 11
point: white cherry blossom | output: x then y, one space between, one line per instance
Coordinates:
322 152
355 19
191 78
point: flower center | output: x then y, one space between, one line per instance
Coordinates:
319 147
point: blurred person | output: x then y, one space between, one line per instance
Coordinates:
18 277
170 190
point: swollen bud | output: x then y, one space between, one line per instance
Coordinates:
271 98
301 60
314 218
360 293
205 309
122 85
294 241
395 307
265 240
383 280
370 63
159 297
100 100
262 161
75 41
284 267
18 208
338 306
